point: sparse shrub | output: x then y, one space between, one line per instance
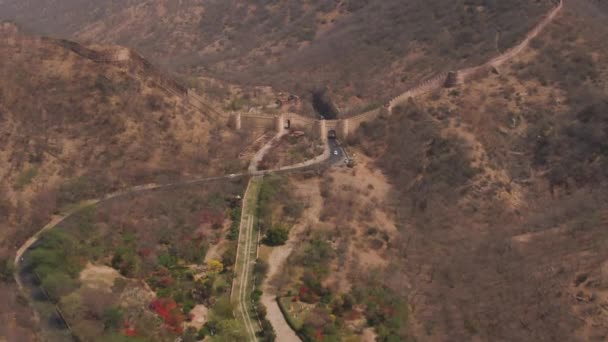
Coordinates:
6 270
26 177
154 102
235 217
112 318
229 256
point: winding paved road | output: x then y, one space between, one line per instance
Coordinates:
248 239
327 159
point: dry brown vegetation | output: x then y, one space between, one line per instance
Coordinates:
337 254
487 222
291 149
74 128
365 51
90 128
501 187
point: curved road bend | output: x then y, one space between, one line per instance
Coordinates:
332 159
333 155
57 220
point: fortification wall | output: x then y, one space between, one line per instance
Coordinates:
122 56
509 54
342 127
258 121
356 121
331 124
196 101
299 120
302 123
467 74
425 87
473 73
338 126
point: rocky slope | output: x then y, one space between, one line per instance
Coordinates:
502 190
79 121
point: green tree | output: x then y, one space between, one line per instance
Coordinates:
127 262
229 256
190 335
6 270
112 318
223 308
230 330
276 236
58 284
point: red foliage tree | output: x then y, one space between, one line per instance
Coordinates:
307 296
129 330
319 335
170 312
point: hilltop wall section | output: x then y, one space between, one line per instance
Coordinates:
255 122
320 128
425 87
468 74
125 57
279 123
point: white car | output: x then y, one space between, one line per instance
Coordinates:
335 152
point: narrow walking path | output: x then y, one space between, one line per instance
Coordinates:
248 233
242 285
257 158
279 255
58 219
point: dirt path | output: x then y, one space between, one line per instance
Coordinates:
136 189
279 255
58 219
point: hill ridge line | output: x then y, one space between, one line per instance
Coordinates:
467 74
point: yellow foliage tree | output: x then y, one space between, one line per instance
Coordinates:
215 266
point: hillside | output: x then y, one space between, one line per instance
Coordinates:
77 122
96 120
471 213
502 192
298 46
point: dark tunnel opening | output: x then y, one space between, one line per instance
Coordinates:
323 105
